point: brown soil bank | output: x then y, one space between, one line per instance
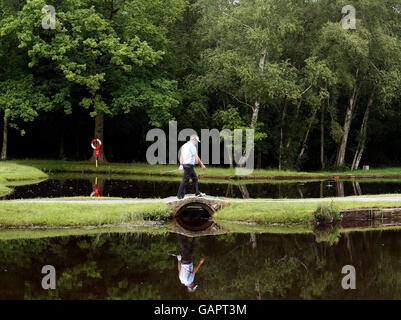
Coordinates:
370 217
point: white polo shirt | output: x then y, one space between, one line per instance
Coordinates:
186 276
188 151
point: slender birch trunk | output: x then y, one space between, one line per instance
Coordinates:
244 191
255 110
283 115
253 241
362 133
322 110
306 136
5 138
229 151
347 125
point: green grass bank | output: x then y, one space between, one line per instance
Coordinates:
289 212
64 213
14 214
210 172
12 174
161 229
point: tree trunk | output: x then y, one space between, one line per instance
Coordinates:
301 194
255 110
244 191
99 120
255 113
230 156
322 110
362 136
340 188
257 289
358 158
349 245
253 241
229 190
77 147
61 150
283 114
287 146
256 107
347 125
321 189
357 188
99 131
305 140
5 136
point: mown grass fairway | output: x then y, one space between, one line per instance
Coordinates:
14 214
64 212
288 212
212 172
14 174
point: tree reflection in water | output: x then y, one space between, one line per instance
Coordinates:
136 266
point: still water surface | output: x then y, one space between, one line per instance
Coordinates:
237 266
69 187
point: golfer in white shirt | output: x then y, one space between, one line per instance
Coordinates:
187 159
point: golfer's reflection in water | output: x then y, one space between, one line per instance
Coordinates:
186 269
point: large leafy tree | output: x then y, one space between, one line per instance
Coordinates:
383 78
273 65
20 100
359 57
243 42
294 59
21 97
93 48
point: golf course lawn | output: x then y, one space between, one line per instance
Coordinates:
288 212
12 174
64 213
14 214
212 172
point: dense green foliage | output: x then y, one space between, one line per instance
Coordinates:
327 213
318 95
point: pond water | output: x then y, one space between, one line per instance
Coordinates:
69 187
237 266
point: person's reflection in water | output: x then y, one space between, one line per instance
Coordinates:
186 269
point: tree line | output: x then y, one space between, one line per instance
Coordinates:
317 94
